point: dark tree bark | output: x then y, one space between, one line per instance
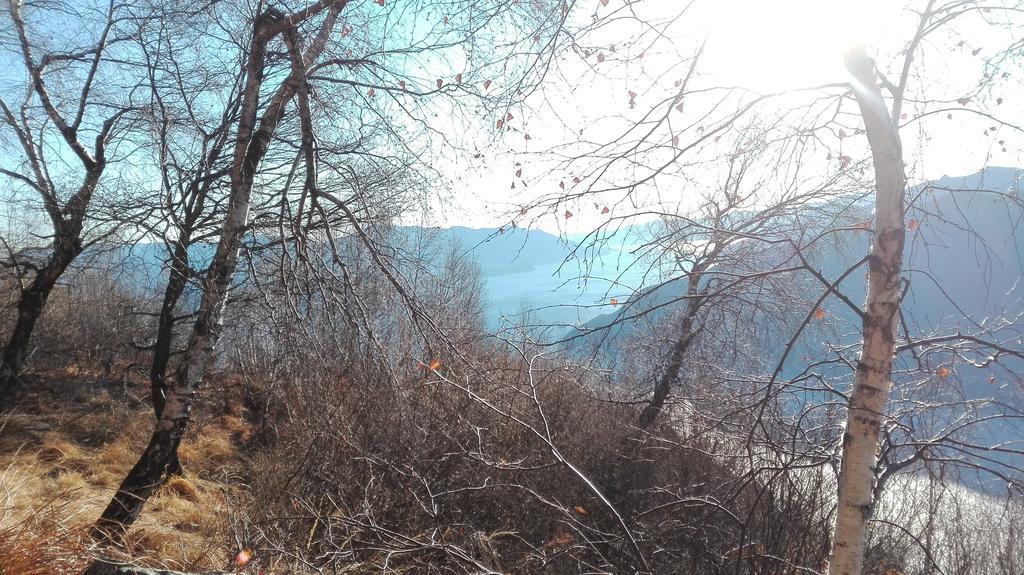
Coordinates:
687 334
31 302
632 472
165 336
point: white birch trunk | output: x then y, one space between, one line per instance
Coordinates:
871 383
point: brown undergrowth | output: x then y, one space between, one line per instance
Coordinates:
66 446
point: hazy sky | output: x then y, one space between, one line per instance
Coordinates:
753 44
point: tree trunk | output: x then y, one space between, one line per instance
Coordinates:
102 567
675 364
176 283
67 245
156 461
165 327
871 382
31 303
632 472
155 464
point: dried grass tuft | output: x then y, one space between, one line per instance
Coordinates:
60 467
183 488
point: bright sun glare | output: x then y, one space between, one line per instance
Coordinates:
782 44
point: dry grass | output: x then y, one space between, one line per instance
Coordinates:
59 468
41 546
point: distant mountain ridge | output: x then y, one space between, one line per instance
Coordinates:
938 247
533 269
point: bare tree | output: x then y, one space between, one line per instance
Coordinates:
860 482
47 114
681 131
253 135
191 147
310 209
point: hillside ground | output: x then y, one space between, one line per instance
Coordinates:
70 441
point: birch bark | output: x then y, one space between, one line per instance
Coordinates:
871 383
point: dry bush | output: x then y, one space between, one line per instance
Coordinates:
428 476
371 461
91 325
